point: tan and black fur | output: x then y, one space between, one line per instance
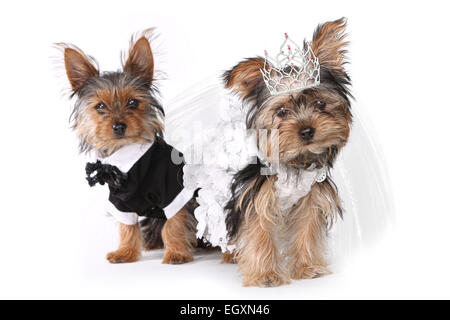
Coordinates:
273 246
127 98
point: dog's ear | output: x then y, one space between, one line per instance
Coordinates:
79 67
245 78
140 61
329 44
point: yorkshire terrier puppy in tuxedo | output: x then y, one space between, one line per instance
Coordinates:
118 118
279 221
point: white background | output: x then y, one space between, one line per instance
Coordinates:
52 237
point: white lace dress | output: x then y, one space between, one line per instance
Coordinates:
216 156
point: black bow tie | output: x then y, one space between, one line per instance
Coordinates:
98 172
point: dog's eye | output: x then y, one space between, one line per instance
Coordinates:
132 103
319 104
100 107
282 112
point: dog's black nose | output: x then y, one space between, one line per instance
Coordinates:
307 133
119 128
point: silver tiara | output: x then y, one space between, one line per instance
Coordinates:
293 69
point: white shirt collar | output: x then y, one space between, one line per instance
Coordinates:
127 156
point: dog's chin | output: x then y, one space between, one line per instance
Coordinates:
109 146
305 156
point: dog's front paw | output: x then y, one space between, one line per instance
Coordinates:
123 256
309 272
177 258
228 257
267 280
